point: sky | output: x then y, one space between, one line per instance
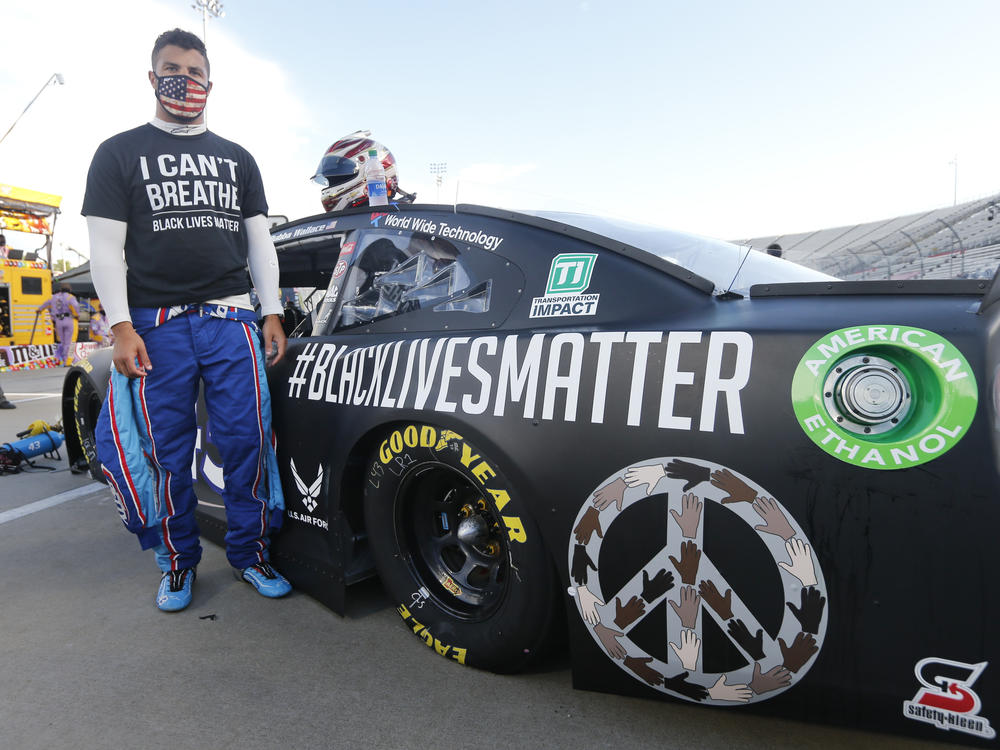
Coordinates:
729 119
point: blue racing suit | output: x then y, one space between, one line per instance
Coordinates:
147 430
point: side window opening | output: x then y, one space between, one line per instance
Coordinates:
401 274
303 305
473 300
450 279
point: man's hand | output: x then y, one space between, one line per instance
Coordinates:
129 347
274 338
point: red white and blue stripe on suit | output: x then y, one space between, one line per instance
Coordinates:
147 430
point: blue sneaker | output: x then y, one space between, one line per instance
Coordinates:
174 593
265 579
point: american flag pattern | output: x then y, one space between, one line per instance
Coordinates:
181 96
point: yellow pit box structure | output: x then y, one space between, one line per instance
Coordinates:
26 276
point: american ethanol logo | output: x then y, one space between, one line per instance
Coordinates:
884 396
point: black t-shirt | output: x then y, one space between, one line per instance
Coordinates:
184 198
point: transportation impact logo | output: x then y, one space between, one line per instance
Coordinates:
569 277
570 273
946 699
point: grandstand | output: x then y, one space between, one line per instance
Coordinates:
961 241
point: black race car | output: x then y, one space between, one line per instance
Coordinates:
729 479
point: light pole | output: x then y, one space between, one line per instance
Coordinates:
57 77
439 169
208 8
954 162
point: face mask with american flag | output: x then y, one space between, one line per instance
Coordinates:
181 96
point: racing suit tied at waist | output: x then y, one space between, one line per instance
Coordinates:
135 447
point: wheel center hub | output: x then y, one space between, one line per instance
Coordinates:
473 530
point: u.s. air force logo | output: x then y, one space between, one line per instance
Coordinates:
310 499
698 582
309 492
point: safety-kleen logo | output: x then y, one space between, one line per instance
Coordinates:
946 699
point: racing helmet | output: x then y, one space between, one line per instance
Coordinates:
341 171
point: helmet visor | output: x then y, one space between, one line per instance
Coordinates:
333 170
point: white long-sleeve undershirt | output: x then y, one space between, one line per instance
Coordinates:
107 267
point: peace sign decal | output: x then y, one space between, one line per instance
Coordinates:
684 577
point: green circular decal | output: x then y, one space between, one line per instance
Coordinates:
884 396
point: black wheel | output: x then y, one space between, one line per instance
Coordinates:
86 409
457 551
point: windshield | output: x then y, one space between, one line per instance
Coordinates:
716 260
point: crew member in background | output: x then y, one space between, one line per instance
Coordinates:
4 403
3 246
63 308
100 333
175 214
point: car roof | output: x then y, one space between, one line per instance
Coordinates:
728 266
709 264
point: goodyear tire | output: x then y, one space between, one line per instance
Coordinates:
86 409
456 550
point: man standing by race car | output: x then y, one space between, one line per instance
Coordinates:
63 307
175 215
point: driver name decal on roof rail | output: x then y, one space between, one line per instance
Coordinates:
442 229
304 230
681 380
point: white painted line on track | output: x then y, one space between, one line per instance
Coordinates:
62 497
35 396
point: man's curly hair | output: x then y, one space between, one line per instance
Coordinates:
182 39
